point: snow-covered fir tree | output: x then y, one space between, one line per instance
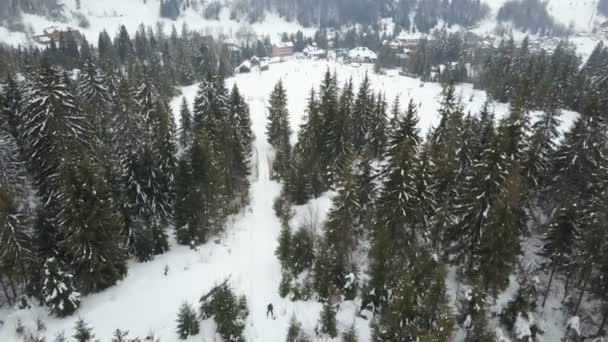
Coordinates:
278 131
58 289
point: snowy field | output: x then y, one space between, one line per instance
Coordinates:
110 14
147 301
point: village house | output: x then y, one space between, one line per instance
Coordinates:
312 51
56 34
362 54
282 50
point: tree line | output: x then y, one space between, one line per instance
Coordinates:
467 195
94 171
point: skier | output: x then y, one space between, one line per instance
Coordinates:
270 310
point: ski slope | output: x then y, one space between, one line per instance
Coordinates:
147 301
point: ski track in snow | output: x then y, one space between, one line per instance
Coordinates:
147 301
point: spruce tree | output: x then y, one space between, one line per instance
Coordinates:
417 307
575 187
501 246
187 322
362 116
542 148
59 291
445 143
309 149
18 254
53 128
228 311
328 112
397 223
339 133
283 251
474 316
241 145
97 103
327 321
295 333
83 333
477 197
185 130
278 131
378 128
91 228
366 191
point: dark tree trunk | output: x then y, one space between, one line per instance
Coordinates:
553 268
12 284
5 290
583 288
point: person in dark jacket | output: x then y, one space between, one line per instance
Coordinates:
270 310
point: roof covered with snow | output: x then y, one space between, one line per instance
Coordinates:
362 52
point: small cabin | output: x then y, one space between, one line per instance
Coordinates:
245 67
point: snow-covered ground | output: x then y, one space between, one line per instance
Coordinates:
147 300
110 14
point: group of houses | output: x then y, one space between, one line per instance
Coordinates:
262 64
56 34
284 51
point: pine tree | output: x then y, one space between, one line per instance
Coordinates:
302 254
120 336
340 237
53 128
91 228
124 46
362 116
184 207
522 305
11 105
185 130
283 251
327 321
478 195
83 333
165 151
295 333
309 149
241 144
228 311
97 103
328 107
339 133
542 147
366 192
187 322
501 246
59 291
278 131
378 128
474 316
445 142
350 335
17 253
575 187
418 305
397 223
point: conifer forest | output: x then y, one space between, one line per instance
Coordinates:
162 182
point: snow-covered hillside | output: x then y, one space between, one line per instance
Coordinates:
110 14
147 300
582 14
